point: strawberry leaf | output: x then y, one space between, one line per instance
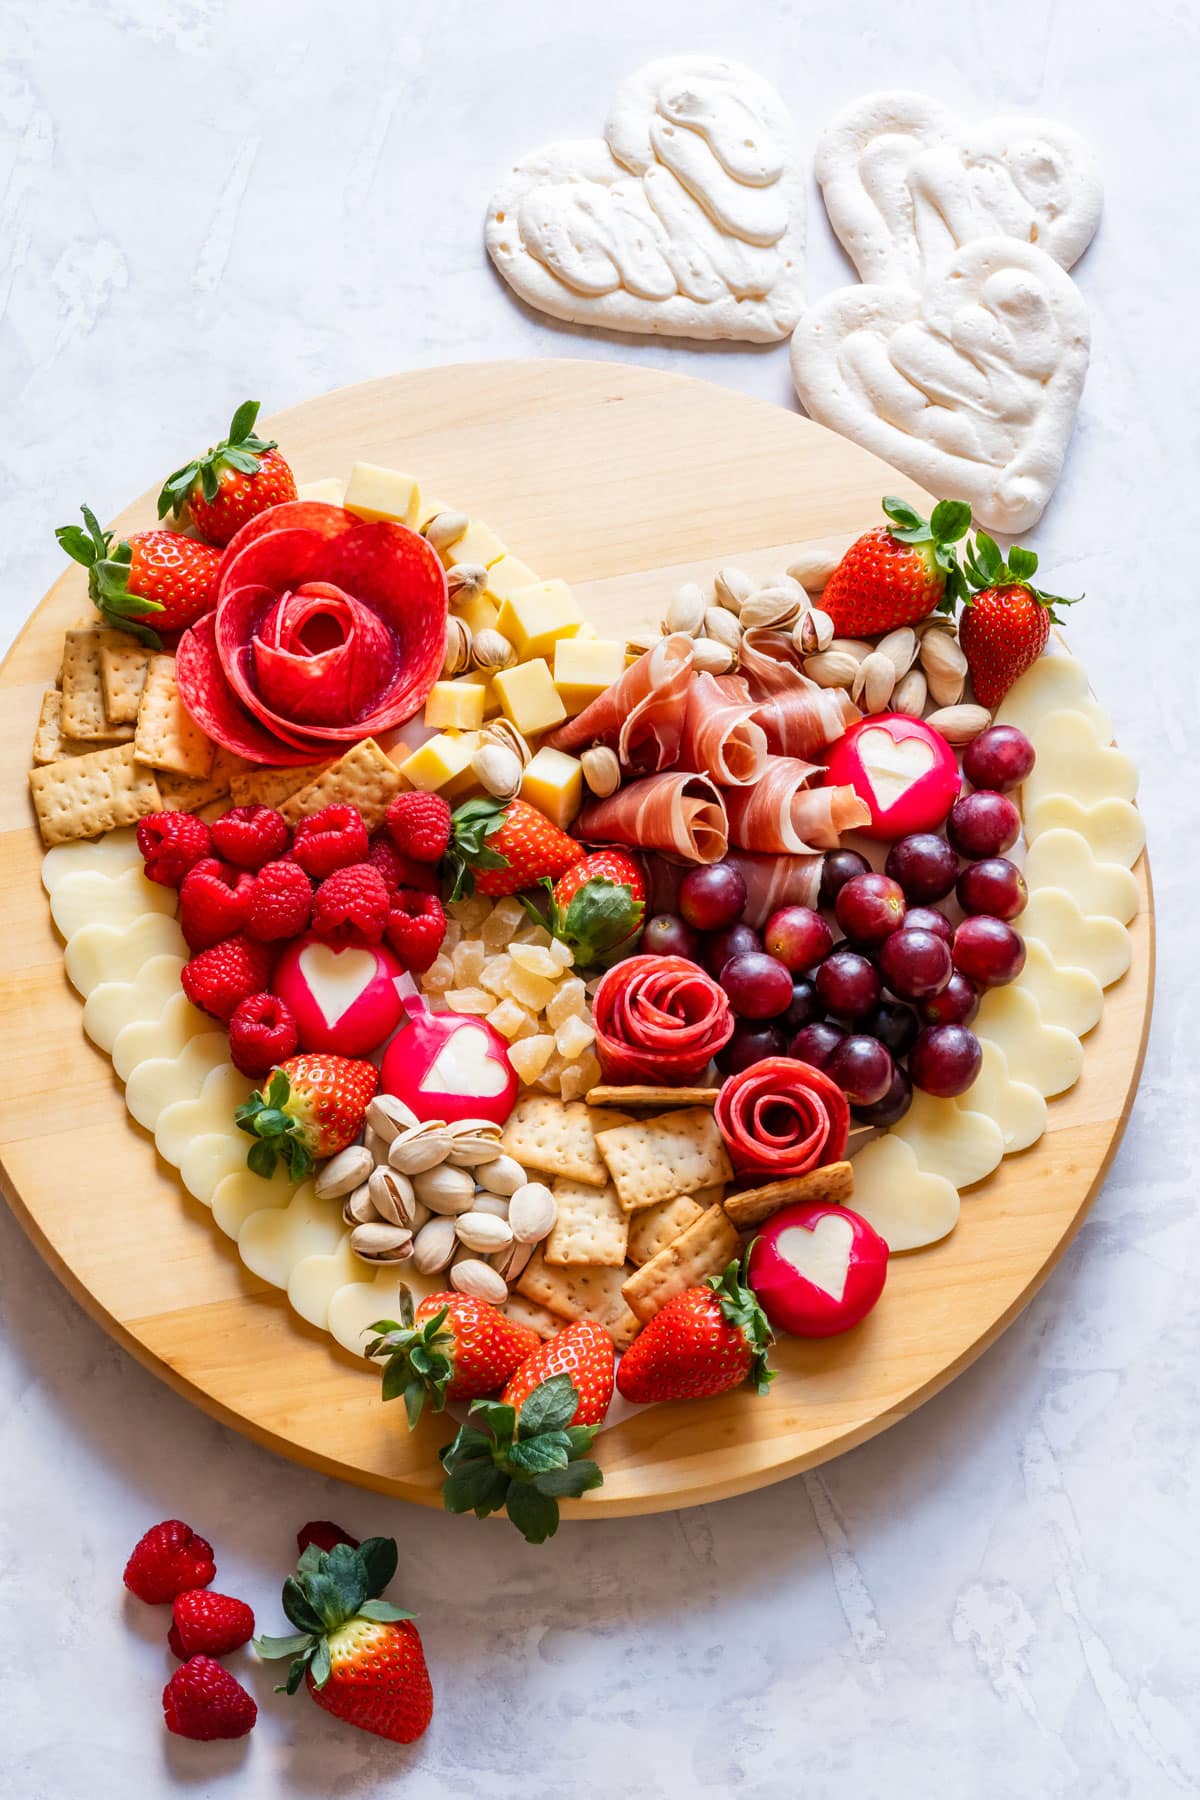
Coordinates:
904 515
271 1649
379 1558
550 1407
551 1450
383 1612
949 521
740 1309
321 1664
476 1486
567 1484
491 1471
241 450
535 1514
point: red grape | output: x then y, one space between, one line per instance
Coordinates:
915 964
988 951
759 987
895 1026
924 865
749 1044
798 936
945 1060
806 1005
983 824
993 886
713 897
928 918
892 1108
862 1068
736 941
839 867
957 1003
869 907
816 1043
848 984
999 758
666 935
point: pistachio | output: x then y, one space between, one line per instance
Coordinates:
480 1280
483 1232
418 1148
813 567
855 647
464 580
812 632
503 1176
470 1148
359 1209
832 668
444 529
910 694
382 1243
720 627
445 1189
386 1116
492 650
712 658
495 1204
376 1143
638 642
392 1196
685 609
497 769
872 685
960 724
434 1245
458 647
601 771
532 1211
900 648
509 1263
732 587
773 608
945 667
347 1170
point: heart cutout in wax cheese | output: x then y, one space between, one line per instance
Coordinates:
821 1253
892 766
336 978
686 218
465 1065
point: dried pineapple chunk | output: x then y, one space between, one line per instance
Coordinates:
508 1018
569 1002
494 976
469 1000
503 922
438 976
562 953
530 1055
533 991
536 960
471 914
469 958
573 1037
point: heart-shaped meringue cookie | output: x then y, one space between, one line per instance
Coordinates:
906 183
970 386
687 218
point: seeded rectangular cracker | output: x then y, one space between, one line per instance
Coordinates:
83 714
184 793
591 1227
653 1096
271 787
657 1159
81 796
708 1245
654 1227
538 1318
557 1138
593 1293
49 741
122 678
830 1186
166 736
364 778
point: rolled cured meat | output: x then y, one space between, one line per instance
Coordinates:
659 1019
682 815
720 735
799 717
641 715
782 1117
782 813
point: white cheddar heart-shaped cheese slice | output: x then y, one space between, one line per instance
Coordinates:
113 854
143 1040
950 1139
1072 998
1099 945
273 1240
908 1206
1047 1057
89 897
337 978
820 1252
358 1305
1018 1109
1063 859
211 1110
315 1280
1114 829
243 1192
103 953
113 1005
163 1081
1054 683
209 1159
892 764
1072 759
465 1065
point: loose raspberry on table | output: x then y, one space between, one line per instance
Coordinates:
330 839
351 906
262 1033
171 843
214 900
202 1700
167 1560
280 903
208 1624
216 979
251 835
420 826
400 871
416 926
324 1534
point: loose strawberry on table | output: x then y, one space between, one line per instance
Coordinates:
324 1534
233 481
896 574
452 1347
521 1462
705 1341
313 1108
202 1700
149 582
1005 622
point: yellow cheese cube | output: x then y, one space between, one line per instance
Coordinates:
375 493
534 618
331 491
553 782
479 613
430 508
529 697
478 544
454 706
508 576
442 764
482 679
584 667
587 630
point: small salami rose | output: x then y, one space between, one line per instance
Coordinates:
659 1019
903 770
344 1000
782 1117
817 1270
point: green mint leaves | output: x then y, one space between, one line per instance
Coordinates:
521 1463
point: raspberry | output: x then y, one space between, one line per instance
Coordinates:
331 839
415 928
213 902
280 902
262 1032
209 1624
203 1700
251 835
324 1534
420 826
400 871
171 843
351 906
217 978
167 1560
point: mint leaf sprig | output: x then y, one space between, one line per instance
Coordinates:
522 1463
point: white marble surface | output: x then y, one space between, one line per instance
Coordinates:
202 199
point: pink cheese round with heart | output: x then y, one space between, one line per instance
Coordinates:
817 1270
902 768
345 1000
450 1066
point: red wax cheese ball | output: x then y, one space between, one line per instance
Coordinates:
343 998
817 1270
988 951
448 1066
999 758
902 768
983 824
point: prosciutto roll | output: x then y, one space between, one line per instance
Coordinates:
720 735
659 1019
781 813
799 717
679 814
782 1117
641 715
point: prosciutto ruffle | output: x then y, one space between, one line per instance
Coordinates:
782 1117
781 813
798 717
720 733
682 815
659 1019
641 716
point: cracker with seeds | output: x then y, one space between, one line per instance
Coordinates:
591 1227
659 1158
81 796
365 777
707 1246
49 740
581 1294
83 714
654 1227
556 1138
122 678
831 1185
166 736
271 787
538 1318
186 793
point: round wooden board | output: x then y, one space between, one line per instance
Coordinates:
625 481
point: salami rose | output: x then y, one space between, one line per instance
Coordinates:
659 1019
782 1117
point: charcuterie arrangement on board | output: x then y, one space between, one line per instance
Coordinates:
560 1019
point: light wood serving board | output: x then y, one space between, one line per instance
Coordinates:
625 481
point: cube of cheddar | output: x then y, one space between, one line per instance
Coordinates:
375 493
534 618
478 544
442 765
479 613
553 782
455 706
330 491
528 697
481 679
508 576
584 667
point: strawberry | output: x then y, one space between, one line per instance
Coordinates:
419 826
501 846
521 1461
703 1342
262 1034
313 1108
204 1623
202 1700
360 1657
214 902
324 1534
351 906
233 481
400 871
584 1351
171 843
453 1347
330 839
218 978
1005 624
251 835
279 903
167 1560
896 575
151 578
597 907
416 928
